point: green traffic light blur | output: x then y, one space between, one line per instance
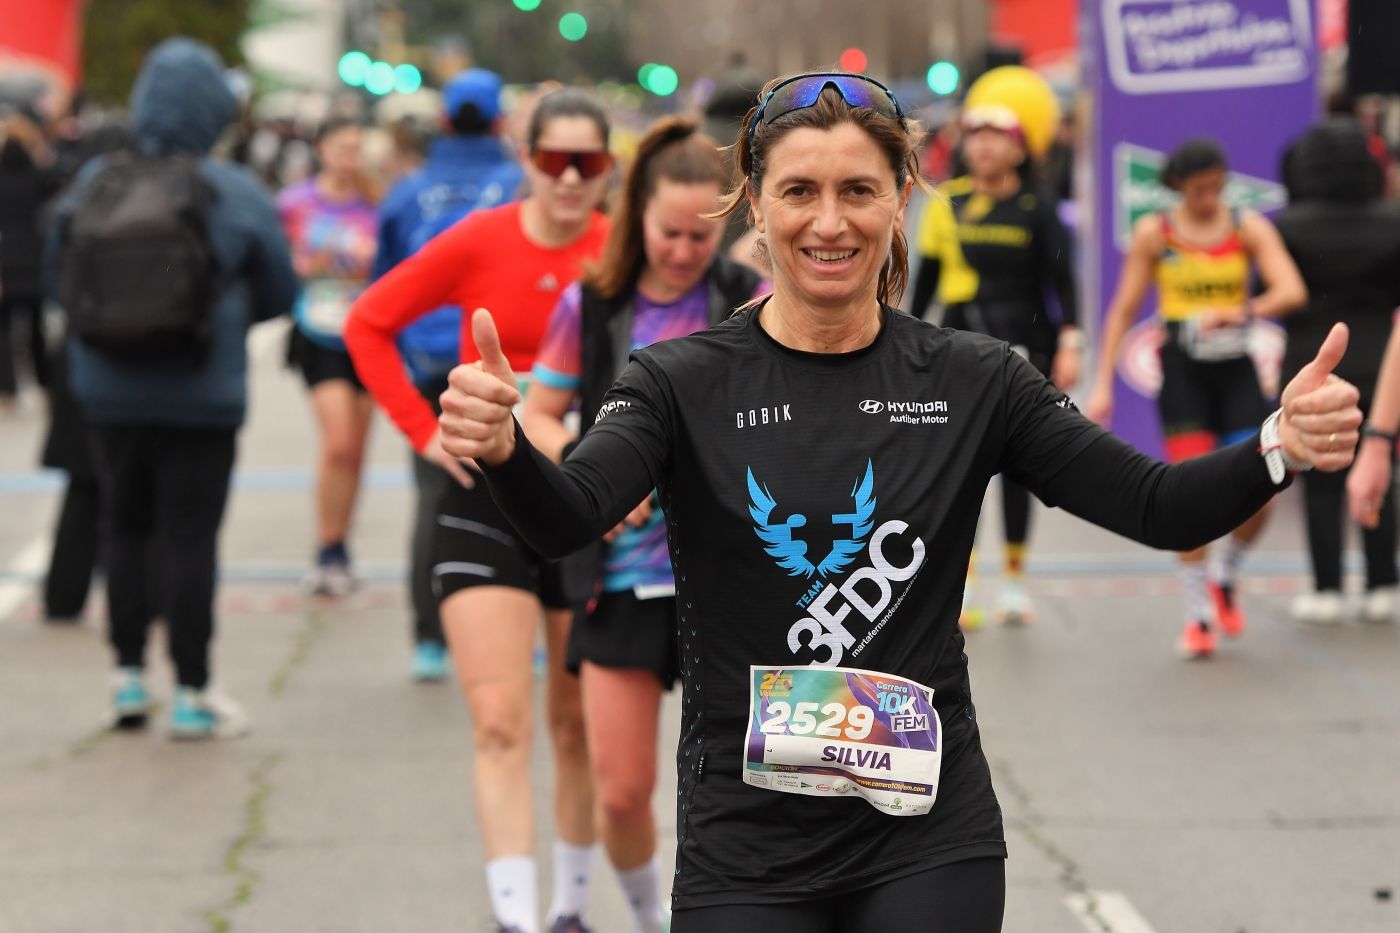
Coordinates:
943 78
359 70
664 81
527 5
380 78
353 67
407 79
573 26
660 80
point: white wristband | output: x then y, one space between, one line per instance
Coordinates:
1271 448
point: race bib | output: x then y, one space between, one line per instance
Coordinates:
324 308
839 732
1220 343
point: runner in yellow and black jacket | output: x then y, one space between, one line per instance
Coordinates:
992 249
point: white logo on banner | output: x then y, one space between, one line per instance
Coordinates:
1138 190
1163 46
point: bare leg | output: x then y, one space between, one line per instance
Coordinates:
573 782
344 418
491 633
620 709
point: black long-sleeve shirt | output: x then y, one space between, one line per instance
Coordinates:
821 510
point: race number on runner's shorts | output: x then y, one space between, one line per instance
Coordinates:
838 731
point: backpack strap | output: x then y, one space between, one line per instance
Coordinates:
605 340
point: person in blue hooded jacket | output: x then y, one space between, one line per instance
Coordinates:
166 427
468 168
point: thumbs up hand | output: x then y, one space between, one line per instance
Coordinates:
476 408
1321 420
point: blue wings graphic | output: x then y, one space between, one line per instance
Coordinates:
790 552
844 550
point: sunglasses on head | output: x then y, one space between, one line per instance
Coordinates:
801 91
554 162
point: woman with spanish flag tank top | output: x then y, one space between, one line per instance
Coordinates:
1202 256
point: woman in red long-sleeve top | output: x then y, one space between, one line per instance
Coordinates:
515 260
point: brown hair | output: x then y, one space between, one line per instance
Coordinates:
566 102
365 184
898 140
673 149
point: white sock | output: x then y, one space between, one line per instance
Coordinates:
1225 559
573 870
512 883
1193 589
642 888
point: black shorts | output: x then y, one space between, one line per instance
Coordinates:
626 632
320 364
962 897
474 545
1205 404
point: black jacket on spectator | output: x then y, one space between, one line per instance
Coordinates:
24 190
1346 243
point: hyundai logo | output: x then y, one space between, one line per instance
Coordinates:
872 407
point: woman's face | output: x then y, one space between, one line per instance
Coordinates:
990 152
828 209
679 243
1201 191
569 199
339 152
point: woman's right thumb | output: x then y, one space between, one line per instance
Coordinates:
488 344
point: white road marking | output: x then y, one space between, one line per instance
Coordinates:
29 563
1107 912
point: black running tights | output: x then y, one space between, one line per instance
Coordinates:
964 897
1325 495
1015 511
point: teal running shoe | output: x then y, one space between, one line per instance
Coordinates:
205 714
429 662
131 704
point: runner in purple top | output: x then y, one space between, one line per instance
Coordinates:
331 222
659 278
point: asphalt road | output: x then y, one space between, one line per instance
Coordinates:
1259 792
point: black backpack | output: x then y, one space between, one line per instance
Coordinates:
136 273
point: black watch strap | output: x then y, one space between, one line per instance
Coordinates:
1370 430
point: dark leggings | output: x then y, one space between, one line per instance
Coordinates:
166 488
12 308
1325 495
1015 511
964 897
75 549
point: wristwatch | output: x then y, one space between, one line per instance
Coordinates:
1370 430
1271 448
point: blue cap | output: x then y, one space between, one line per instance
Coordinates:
476 86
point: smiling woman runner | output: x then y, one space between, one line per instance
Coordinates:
821 459
514 259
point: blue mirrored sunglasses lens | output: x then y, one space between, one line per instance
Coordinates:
862 94
803 93
795 96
